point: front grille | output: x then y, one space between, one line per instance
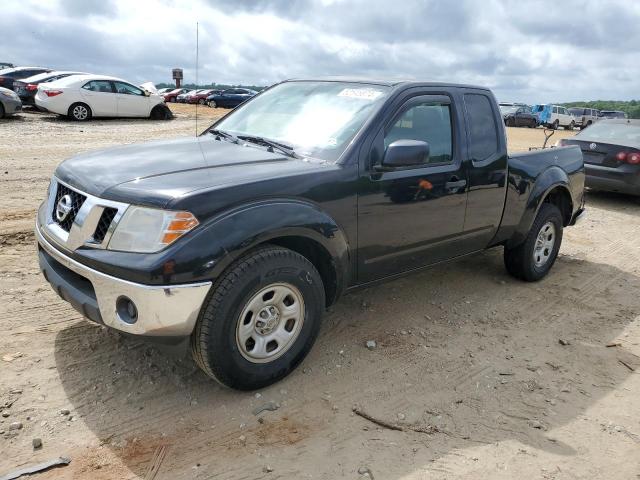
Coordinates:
106 218
77 199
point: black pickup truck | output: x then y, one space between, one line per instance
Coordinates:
237 240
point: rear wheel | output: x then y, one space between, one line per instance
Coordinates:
202 101
260 319
79 112
533 258
555 125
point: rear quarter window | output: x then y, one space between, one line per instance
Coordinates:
483 131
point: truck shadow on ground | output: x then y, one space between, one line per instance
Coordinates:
462 350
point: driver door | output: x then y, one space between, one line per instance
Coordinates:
410 217
131 101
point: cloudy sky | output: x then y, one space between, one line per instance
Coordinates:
533 51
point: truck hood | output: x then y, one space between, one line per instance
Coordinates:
157 173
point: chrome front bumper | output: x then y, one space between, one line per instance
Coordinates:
169 310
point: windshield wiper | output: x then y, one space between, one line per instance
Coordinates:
223 134
272 144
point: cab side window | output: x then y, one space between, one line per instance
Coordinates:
427 122
483 131
102 86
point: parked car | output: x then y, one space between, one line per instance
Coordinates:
235 242
162 91
9 75
611 151
9 102
554 116
4 65
27 87
182 98
584 116
81 97
173 94
230 98
521 117
612 114
200 96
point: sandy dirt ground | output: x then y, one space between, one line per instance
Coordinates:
487 376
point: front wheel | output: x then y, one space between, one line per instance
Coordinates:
571 126
533 258
260 319
555 125
202 101
212 103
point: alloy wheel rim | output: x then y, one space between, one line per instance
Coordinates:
80 112
270 323
544 244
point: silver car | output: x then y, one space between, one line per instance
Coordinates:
10 102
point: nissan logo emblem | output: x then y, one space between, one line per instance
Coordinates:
593 146
63 208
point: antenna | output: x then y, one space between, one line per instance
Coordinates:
197 48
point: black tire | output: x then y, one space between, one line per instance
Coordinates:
161 112
213 343
212 104
555 125
172 99
511 122
571 126
202 101
1 110
80 112
520 261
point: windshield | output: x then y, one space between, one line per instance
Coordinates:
616 132
318 119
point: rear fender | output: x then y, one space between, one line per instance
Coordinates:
551 178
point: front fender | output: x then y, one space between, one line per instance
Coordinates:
549 179
226 237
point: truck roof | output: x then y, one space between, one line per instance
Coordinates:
388 82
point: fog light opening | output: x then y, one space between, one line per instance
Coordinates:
126 310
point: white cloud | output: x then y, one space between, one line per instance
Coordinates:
529 51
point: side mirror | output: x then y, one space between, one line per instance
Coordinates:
406 153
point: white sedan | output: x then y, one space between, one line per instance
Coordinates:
82 97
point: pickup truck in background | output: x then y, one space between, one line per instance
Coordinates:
234 242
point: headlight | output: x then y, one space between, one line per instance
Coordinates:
148 230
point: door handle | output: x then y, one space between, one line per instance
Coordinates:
455 184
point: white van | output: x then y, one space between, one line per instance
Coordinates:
554 116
